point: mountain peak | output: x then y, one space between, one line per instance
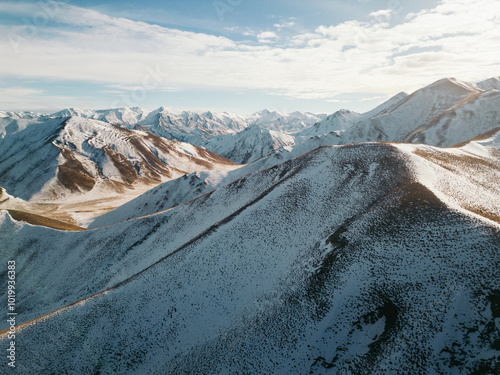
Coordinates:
343 112
452 83
489 84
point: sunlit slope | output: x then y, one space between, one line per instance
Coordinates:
442 114
90 167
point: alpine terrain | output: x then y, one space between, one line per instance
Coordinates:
149 242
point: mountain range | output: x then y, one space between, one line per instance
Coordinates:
70 161
160 243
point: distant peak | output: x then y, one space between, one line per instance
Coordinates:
452 82
401 94
443 81
343 111
268 112
492 83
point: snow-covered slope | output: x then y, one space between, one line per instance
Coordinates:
188 187
385 106
286 123
441 114
76 159
241 139
366 258
420 111
250 144
190 126
28 159
464 121
209 128
377 258
185 126
489 84
88 154
338 121
444 113
13 122
126 117
172 193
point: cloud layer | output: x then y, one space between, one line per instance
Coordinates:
379 56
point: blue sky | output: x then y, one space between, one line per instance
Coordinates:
239 55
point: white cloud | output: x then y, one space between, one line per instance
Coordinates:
267 37
284 24
456 38
381 15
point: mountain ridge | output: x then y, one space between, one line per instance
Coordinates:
444 113
410 118
348 251
352 274
79 159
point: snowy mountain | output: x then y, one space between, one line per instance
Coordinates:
441 114
250 144
476 115
241 139
170 194
330 252
338 121
188 187
286 123
190 126
126 117
438 114
77 159
445 106
201 129
489 84
385 106
469 120
365 258
12 122
219 132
